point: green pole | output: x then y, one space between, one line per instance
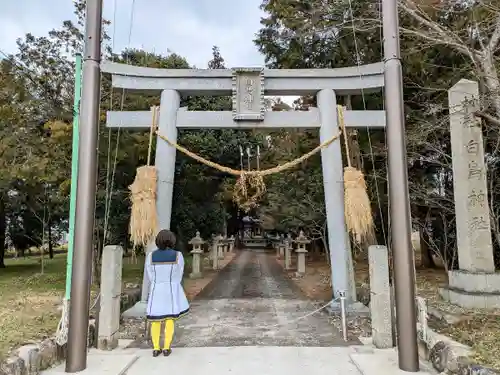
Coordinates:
74 171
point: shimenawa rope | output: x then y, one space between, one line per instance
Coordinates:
249 186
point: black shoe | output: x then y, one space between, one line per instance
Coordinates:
156 353
167 352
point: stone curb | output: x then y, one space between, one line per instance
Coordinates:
31 359
449 356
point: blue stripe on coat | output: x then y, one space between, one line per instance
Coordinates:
167 256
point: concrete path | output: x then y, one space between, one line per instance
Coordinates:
249 360
252 303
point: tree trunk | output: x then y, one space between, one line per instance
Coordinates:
49 239
427 261
492 81
3 227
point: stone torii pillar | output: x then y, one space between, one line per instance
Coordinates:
167 124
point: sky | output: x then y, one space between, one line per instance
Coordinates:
187 27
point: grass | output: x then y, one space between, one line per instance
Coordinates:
29 300
478 328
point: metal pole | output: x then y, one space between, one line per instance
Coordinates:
76 359
343 313
74 171
404 286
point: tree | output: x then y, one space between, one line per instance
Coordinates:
317 34
470 28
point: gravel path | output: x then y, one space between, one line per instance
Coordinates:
252 303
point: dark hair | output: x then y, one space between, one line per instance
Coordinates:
165 239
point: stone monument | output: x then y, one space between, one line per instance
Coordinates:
380 297
111 290
475 284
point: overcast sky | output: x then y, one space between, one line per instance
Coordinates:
187 27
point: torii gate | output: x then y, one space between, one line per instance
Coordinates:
247 86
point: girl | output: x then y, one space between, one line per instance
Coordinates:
167 300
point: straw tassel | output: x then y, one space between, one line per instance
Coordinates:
143 217
357 205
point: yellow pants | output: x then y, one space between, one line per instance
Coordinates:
156 333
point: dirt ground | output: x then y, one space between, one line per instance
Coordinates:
480 329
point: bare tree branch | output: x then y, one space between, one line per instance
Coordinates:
488 117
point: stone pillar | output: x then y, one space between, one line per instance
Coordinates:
333 181
111 289
380 300
475 284
165 155
231 244
475 251
196 242
220 247
288 253
281 246
301 251
215 253
145 281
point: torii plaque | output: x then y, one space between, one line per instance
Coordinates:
248 94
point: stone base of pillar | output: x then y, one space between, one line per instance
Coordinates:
472 290
195 275
299 274
136 311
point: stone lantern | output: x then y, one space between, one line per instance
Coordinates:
301 251
196 242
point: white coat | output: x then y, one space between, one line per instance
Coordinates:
167 299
